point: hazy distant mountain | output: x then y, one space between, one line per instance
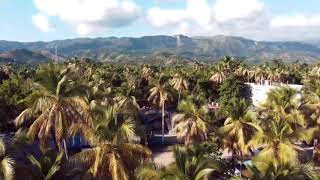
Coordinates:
313 42
146 48
21 56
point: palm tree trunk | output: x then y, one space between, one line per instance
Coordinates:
240 153
65 148
315 144
179 97
162 139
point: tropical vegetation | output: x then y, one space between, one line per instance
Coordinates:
82 119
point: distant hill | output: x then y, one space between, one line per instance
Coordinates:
21 56
135 50
314 43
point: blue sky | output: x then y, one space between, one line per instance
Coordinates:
45 20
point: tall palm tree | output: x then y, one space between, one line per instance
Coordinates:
244 71
276 171
180 84
283 125
56 104
126 105
7 163
284 103
187 166
311 111
161 94
238 130
275 74
251 75
114 153
190 123
278 141
259 75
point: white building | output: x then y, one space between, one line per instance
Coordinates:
259 92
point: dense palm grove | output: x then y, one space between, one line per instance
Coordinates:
47 105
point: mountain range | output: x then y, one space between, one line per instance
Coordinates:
159 49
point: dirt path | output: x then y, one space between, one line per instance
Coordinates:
163 156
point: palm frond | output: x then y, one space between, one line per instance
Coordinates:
35 163
7 168
27 114
148 172
117 168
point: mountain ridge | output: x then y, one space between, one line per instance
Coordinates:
198 47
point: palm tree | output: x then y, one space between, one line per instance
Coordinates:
284 103
278 142
251 75
275 171
190 123
238 130
180 84
126 105
275 74
283 96
310 110
160 94
115 152
283 125
147 73
259 75
311 88
244 71
56 103
149 171
315 71
126 99
99 95
47 167
219 75
7 163
187 166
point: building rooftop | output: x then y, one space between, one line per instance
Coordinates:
259 92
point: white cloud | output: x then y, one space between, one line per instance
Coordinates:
226 10
299 20
169 1
42 22
166 17
87 16
197 11
228 17
296 27
248 18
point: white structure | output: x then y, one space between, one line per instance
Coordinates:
259 92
